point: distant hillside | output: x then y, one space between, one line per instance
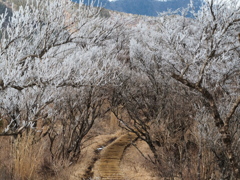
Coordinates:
3 8
141 7
144 7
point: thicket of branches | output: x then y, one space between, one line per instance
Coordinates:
173 81
57 60
181 94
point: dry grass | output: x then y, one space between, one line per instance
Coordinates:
5 158
27 157
103 132
135 166
105 125
21 158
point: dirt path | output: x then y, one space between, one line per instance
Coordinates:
107 167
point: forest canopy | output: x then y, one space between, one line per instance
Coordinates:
174 81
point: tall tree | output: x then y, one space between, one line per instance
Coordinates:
55 53
203 54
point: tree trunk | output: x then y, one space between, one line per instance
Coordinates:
222 127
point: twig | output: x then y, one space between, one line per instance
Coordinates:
143 154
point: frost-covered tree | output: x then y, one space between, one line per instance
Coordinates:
53 54
148 102
139 98
203 54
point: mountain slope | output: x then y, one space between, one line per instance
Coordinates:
144 7
3 9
